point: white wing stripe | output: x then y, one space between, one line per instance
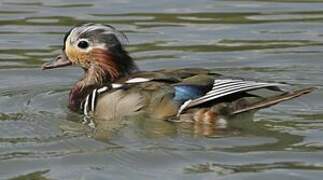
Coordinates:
220 81
228 83
102 89
115 85
224 86
234 89
217 85
225 93
235 86
138 80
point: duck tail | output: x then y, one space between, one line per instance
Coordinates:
274 100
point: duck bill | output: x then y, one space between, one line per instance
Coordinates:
60 61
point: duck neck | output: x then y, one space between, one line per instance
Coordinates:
104 72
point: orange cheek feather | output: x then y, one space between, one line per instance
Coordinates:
76 56
101 57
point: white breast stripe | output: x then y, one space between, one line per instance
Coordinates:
90 101
93 99
85 111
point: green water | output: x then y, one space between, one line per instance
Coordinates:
267 40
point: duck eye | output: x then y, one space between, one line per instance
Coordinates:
83 44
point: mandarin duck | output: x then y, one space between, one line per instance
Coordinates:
113 87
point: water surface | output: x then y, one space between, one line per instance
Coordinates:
264 39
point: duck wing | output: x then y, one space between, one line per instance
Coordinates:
221 88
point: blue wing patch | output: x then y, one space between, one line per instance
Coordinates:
187 91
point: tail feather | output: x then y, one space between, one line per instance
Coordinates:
274 100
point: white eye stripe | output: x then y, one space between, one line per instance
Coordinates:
77 32
83 39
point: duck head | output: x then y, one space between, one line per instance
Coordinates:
99 50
